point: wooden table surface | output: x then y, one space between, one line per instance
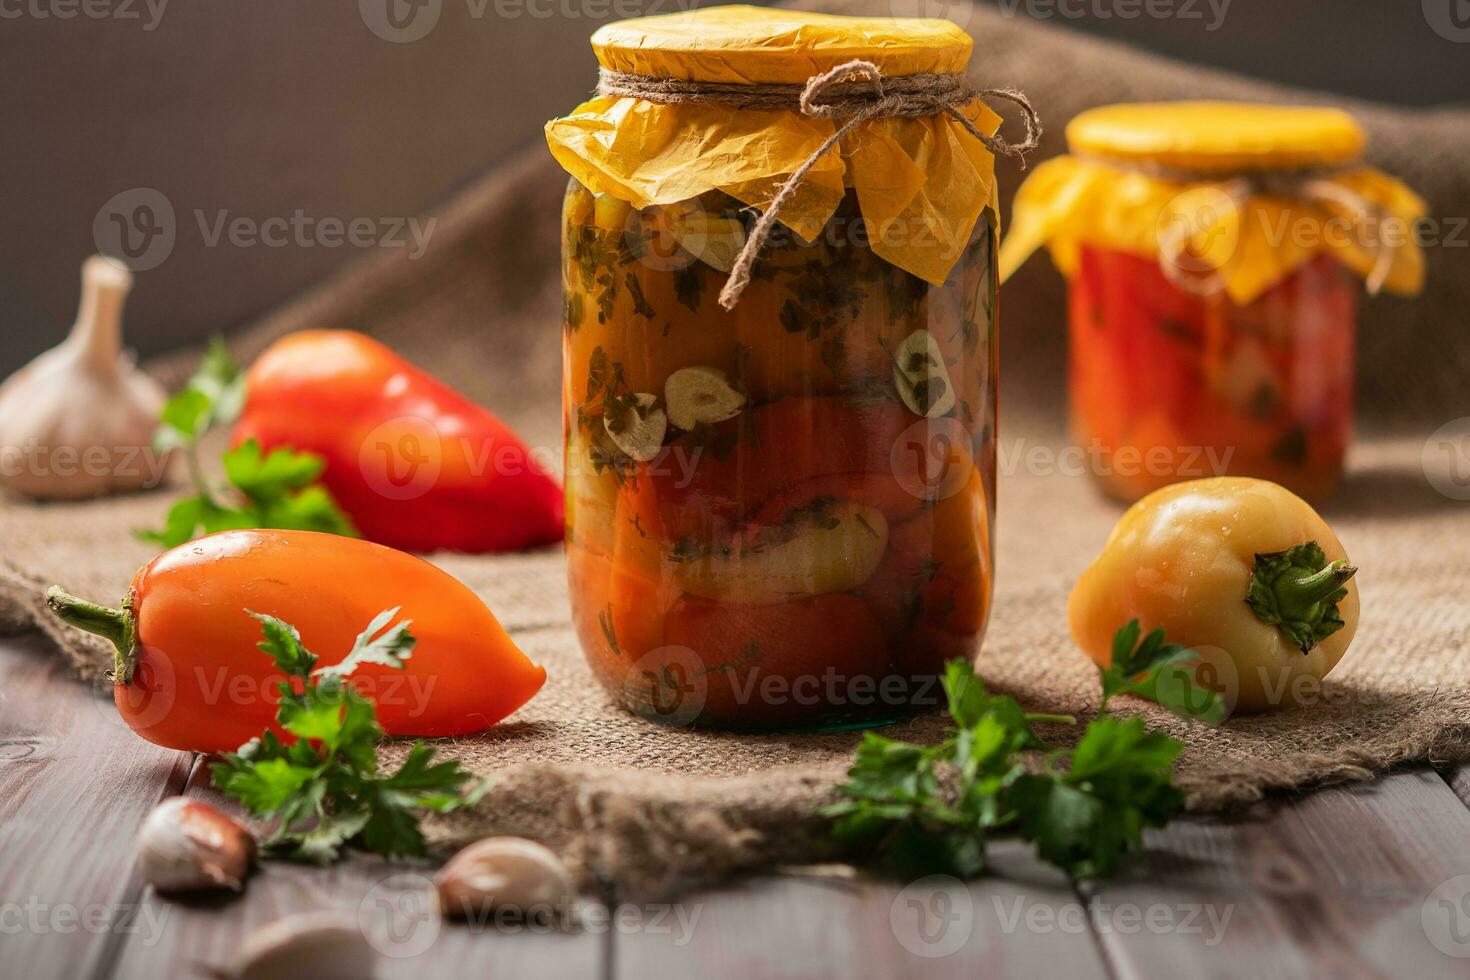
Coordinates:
1366 880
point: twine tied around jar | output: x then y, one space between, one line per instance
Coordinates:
831 95
1313 185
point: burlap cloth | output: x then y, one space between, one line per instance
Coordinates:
644 806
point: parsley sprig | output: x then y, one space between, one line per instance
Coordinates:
277 489
1158 671
323 789
931 809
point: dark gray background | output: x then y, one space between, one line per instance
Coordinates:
257 109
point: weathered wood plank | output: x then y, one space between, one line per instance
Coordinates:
391 901
802 927
75 784
1333 883
1458 777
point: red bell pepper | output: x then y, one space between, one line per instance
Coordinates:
415 464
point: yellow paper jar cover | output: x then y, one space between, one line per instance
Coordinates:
1260 190
921 183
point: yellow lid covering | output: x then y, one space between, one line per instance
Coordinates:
1143 172
921 183
755 45
1217 137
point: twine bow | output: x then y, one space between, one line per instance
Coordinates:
1313 186
831 95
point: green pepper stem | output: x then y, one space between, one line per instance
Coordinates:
1297 590
114 625
1297 595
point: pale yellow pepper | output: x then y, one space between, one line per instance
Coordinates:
1243 571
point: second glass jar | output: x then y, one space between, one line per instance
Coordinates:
778 517
1170 385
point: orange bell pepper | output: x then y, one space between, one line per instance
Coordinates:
189 673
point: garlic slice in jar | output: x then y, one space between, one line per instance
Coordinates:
637 428
697 395
920 376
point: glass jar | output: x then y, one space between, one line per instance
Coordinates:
780 501
778 516
1167 384
1212 251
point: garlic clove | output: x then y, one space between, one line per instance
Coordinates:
507 875
920 376
700 394
78 421
309 946
638 429
188 845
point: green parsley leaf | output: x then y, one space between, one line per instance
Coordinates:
418 775
263 786
283 643
323 788
263 477
183 420
1087 820
1161 672
896 800
323 842
212 396
932 809
309 509
273 490
378 644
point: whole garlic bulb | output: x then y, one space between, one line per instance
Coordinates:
507 874
78 421
188 845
